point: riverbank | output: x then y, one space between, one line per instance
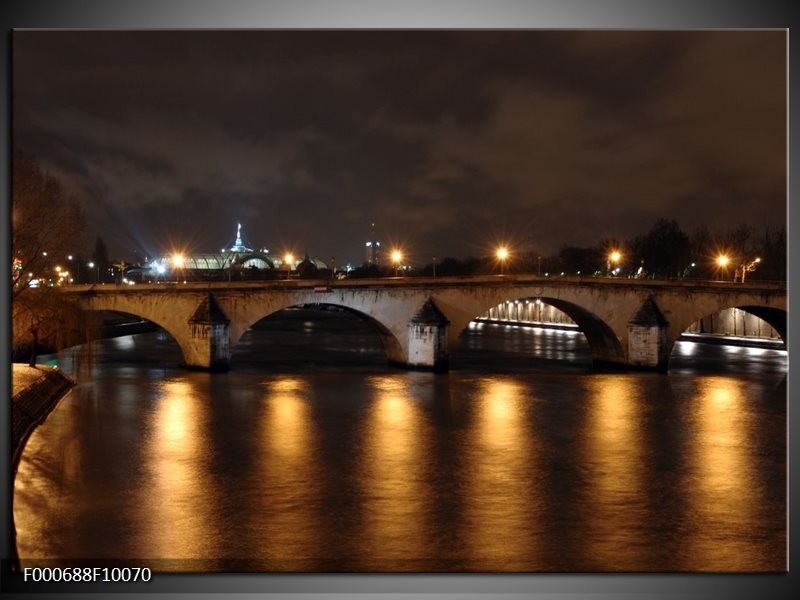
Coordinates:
35 392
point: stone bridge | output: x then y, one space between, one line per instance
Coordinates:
628 323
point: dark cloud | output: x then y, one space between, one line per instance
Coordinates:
446 139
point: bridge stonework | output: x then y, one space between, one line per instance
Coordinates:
419 320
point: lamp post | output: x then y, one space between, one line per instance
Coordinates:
77 272
539 265
722 263
502 256
434 267
613 258
397 256
751 266
91 265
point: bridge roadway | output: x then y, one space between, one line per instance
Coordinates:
627 322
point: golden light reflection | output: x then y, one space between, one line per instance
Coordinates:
721 461
501 461
287 385
724 495
182 520
291 466
499 421
615 466
394 477
287 420
173 421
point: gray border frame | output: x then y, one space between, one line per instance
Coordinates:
470 14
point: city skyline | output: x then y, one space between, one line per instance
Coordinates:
534 138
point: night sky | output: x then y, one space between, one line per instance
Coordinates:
448 141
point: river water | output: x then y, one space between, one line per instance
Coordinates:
312 455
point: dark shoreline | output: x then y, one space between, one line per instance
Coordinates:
29 408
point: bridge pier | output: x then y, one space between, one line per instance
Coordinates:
427 339
647 338
208 346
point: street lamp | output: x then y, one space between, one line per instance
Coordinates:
397 256
434 266
722 263
613 259
177 261
751 266
502 256
77 270
288 260
96 273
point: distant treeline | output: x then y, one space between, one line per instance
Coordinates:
664 252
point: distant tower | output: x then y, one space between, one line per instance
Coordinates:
373 247
238 245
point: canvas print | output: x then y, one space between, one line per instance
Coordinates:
382 301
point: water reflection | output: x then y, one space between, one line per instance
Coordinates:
388 470
394 479
289 472
500 467
614 466
182 526
722 489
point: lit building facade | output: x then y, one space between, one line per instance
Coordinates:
237 261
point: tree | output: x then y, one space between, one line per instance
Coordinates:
665 250
47 226
43 321
771 248
738 243
100 259
572 260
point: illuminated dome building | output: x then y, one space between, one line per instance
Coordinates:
310 267
237 262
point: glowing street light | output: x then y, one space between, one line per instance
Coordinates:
91 265
288 260
614 257
502 256
178 262
745 267
397 256
722 263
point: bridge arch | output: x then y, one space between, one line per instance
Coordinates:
172 333
391 345
775 317
604 344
